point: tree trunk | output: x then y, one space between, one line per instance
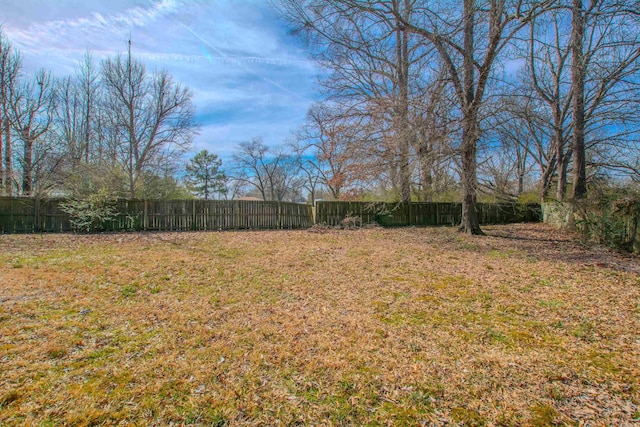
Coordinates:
87 132
563 164
27 173
577 79
561 158
132 165
8 160
470 222
335 192
521 169
547 174
2 176
520 188
132 184
404 128
405 172
426 167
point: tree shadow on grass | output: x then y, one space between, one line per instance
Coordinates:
544 242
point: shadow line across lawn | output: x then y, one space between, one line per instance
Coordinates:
543 241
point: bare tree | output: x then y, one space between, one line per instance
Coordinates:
311 180
581 60
469 46
70 119
10 66
272 172
149 113
605 50
32 106
468 42
434 126
326 136
548 67
77 109
89 87
373 66
578 86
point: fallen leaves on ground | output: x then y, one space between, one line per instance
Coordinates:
413 326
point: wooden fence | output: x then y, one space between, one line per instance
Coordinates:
26 215
422 214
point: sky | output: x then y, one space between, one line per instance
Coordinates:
250 78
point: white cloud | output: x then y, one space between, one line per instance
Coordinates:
39 34
248 77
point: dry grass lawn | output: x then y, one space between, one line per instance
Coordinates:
364 327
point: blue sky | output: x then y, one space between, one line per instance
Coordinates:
249 77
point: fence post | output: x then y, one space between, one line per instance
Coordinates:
236 205
145 217
194 224
279 215
36 214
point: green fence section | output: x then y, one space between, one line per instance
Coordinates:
25 215
421 214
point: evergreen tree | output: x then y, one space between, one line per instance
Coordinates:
204 176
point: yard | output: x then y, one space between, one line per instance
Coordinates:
410 326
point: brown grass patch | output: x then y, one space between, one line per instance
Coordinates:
382 327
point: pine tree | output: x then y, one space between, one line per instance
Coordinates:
204 176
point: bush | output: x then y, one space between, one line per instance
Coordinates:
609 218
607 227
90 213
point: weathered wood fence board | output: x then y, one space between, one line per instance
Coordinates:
422 214
25 215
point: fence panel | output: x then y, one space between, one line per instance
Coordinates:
422 213
25 215
51 217
17 215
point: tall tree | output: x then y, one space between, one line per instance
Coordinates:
578 86
149 114
582 63
548 66
88 78
204 175
32 112
69 119
605 51
434 125
468 41
373 66
469 45
77 111
10 66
